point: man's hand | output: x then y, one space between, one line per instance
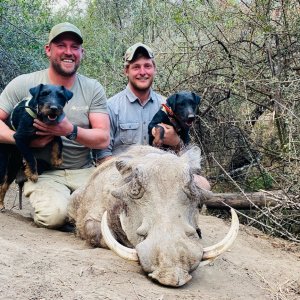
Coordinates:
61 129
47 132
171 138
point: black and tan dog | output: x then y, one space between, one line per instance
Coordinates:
180 112
46 104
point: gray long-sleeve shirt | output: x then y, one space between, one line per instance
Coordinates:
129 121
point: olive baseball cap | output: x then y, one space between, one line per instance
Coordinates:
131 51
64 27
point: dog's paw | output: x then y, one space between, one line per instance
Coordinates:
3 189
34 177
29 175
56 162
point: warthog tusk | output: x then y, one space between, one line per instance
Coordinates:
209 253
212 252
124 252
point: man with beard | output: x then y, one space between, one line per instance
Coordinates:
132 109
85 125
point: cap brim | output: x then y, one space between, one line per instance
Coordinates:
72 32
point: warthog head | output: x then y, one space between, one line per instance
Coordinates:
158 208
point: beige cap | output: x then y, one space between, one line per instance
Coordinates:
64 27
130 52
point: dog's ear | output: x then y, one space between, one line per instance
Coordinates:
171 101
67 93
35 91
196 98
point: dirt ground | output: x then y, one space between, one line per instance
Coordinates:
42 264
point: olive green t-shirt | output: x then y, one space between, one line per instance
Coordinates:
88 97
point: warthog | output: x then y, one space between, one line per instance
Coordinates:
144 205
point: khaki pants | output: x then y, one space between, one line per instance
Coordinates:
49 196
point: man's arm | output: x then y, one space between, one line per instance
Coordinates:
6 134
105 154
96 137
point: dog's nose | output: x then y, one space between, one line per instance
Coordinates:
191 118
53 107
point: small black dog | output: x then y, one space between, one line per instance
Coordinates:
180 112
46 104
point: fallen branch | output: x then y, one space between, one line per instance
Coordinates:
244 201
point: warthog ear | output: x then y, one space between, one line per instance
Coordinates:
193 157
123 164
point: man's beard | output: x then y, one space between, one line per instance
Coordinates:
141 89
59 70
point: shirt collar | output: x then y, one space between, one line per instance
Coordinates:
132 97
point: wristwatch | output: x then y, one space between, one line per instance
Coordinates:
73 135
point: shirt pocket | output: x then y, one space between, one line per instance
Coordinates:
129 133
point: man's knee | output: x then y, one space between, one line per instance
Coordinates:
50 217
50 209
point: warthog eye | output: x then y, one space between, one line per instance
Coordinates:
136 191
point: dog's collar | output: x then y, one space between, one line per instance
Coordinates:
29 109
172 117
168 110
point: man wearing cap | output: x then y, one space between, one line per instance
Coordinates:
85 126
132 109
